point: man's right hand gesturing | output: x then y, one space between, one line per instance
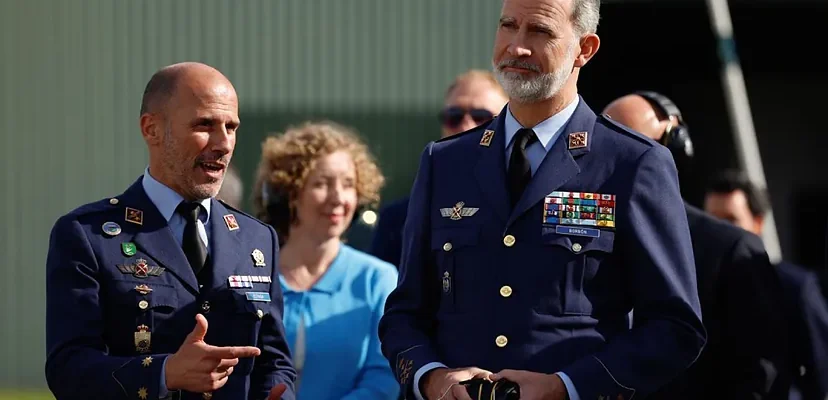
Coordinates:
198 367
441 383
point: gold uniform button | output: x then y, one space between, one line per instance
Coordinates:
501 341
260 314
576 247
113 201
143 304
207 396
447 246
506 291
205 306
509 240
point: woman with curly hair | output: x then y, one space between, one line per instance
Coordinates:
310 181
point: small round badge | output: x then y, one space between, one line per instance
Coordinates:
111 228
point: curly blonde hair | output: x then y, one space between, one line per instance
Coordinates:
288 158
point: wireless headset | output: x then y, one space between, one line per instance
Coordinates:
677 136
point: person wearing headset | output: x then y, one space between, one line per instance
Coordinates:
747 353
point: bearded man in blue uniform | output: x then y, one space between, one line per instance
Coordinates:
531 241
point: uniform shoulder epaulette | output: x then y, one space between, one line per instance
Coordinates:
103 205
459 135
477 128
621 128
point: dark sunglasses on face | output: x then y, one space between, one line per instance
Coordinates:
453 116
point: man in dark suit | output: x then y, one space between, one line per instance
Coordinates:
134 280
732 197
472 99
530 239
747 354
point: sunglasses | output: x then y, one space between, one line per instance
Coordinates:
453 116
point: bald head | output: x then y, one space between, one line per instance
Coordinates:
637 113
187 75
189 118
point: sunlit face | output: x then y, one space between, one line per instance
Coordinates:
535 48
325 206
199 126
733 207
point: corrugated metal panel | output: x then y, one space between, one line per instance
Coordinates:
72 75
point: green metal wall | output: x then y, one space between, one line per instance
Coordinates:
72 73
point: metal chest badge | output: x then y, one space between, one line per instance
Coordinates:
141 269
458 211
143 339
258 258
446 282
143 289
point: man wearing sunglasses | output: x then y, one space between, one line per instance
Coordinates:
472 99
530 239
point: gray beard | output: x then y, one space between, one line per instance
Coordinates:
535 89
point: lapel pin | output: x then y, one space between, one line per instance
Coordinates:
577 140
458 211
230 221
110 228
258 258
135 216
487 137
128 248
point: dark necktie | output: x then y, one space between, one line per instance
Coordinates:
520 171
194 248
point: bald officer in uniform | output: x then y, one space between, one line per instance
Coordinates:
530 239
163 291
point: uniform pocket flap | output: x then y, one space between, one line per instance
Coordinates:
242 305
154 294
447 239
577 243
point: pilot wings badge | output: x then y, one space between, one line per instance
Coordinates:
458 211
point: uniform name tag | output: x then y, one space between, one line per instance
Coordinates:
258 296
571 230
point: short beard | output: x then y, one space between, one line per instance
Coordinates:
192 191
537 88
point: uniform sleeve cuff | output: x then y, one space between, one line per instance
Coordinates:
142 377
419 374
570 387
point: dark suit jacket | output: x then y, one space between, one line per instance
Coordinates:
809 329
107 291
387 242
747 355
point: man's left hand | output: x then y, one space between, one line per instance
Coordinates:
277 392
533 385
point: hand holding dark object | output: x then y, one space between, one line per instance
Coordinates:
503 389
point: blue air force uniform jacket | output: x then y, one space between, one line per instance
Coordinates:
121 297
549 285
